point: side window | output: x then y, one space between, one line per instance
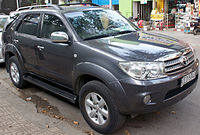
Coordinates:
29 25
52 24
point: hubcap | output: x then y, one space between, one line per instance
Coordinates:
14 72
96 108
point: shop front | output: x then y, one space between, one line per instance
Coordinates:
142 10
178 14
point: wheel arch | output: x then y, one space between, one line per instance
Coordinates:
86 71
95 72
10 51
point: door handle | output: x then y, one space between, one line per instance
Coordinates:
40 47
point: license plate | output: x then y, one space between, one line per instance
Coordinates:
188 78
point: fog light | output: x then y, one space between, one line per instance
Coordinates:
147 99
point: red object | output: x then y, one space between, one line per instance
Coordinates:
170 25
199 8
161 25
140 23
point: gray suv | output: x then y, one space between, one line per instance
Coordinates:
96 57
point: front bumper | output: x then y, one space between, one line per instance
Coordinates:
164 92
1 56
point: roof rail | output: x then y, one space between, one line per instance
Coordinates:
57 7
38 6
69 4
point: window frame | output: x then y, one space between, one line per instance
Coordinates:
22 21
42 24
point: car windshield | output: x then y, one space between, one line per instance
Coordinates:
99 23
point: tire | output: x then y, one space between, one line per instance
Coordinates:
16 73
195 31
106 122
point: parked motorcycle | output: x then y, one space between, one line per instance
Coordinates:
197 27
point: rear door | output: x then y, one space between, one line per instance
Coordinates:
26 38
54 59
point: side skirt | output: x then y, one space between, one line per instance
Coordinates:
56 90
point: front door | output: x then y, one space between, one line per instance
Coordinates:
54 59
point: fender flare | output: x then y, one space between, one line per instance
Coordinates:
10 48
116 90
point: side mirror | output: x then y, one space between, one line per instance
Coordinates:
59 37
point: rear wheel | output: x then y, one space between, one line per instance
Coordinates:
99 109
16 73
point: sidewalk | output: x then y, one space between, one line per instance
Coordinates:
19 117
13 123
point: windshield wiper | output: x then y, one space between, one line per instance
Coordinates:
107 35
97 36
126 31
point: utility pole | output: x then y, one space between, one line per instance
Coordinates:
17 1
110 4
153 5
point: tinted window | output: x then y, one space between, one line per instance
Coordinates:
52 24
29 25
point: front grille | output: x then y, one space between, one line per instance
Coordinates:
180 61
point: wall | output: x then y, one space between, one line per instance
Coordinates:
126 8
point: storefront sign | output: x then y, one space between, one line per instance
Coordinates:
103 2
157 17
143 1
106 6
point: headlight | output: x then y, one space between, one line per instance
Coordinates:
144 70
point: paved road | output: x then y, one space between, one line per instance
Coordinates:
47 109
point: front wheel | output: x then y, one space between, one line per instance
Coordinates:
99 109
195 31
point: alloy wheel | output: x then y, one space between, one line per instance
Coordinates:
14 71
96 108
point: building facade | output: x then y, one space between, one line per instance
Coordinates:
7 5
134 8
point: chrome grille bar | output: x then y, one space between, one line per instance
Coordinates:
173 64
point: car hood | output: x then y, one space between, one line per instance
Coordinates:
138 46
